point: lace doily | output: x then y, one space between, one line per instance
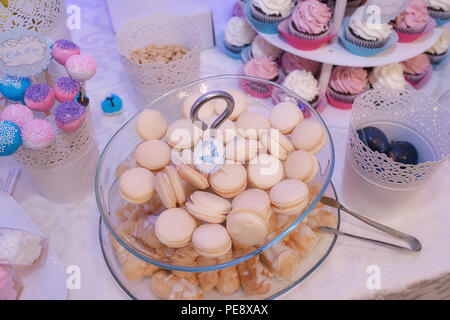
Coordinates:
160 29
411 109
43 16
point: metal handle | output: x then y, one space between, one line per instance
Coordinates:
206 98
412 241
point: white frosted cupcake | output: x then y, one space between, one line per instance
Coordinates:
238 34
439 50
271 11
262 48
388 76
304 84
439 9
364 34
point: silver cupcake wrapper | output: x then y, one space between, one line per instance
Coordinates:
364 43
264 18
437 58
306 36
438 14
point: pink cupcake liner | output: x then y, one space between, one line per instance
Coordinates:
337 103
406 37
258 89
418 84
306 44
319 105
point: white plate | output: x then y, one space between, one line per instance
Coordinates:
47 282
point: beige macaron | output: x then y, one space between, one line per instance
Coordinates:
170 188
174 227
137 185
192 176
256 199
241 150
229 180
182 156
252 125
150 125
247 226
289 197
285 116
265 171
240 104
301 165
152 155
309 136
225 133
207 110
182 134
211 240
276 143
208 207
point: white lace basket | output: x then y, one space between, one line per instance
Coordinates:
63 172
155 79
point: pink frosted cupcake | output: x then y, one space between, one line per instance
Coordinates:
415 69
291 62
310 20
262 67
345 85
412 20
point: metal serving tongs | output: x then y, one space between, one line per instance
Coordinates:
414 244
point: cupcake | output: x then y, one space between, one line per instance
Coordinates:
264 68
438 51
238 34
412 20
291 62
438 9
262 48
366 35
310 20
416 68
271 11
388 76
345 85
304 84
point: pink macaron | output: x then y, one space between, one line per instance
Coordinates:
69 116
63 49
66 89
81 67
17 113
39 97
37 134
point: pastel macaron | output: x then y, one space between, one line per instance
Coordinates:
63 49
183 134
169 187
252 125
276 143
255 199
247 226
289 197
211 240
150 124
225 133
241 150
229 180
285 116
39 97
137 185
309 135
206 110
240 104
265 171
153 154
174 227
208 207
17 113
66 89
37 134
301 165
192 176
69 116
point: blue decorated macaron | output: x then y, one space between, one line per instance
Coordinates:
10 138
13 88
112 105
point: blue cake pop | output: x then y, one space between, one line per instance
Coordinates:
112 105
13 88
10 138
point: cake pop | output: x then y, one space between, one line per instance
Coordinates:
81 67
13 88
66 89
63 49
69 116
17 113
37 134
39 97
10 138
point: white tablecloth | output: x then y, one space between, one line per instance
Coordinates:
73 229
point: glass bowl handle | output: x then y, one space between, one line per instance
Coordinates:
206 98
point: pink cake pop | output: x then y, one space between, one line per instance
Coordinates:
63 49
81 67
37 134
39 97
66 89
69 116
17 113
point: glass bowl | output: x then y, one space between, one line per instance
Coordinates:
124 141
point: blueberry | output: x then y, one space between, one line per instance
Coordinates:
403 152
374 138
